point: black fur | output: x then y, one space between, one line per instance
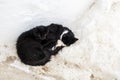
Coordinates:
29 48
69 38
34 47
56 30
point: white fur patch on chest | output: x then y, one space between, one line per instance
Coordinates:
59 42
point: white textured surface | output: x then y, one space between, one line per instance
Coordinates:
96 56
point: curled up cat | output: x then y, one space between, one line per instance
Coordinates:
29 47
36 46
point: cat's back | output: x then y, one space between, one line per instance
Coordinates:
24 36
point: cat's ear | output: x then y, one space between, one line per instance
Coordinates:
76 39
69 41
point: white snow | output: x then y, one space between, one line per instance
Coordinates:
95 56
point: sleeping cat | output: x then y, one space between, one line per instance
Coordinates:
35 47
30 48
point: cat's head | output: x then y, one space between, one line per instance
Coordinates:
69 38
40 32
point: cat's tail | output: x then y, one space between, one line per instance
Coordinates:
41 61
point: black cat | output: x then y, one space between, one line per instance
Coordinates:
34 47
32 50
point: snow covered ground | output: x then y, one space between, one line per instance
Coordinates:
96 56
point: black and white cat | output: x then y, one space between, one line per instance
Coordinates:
35 47
61 33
